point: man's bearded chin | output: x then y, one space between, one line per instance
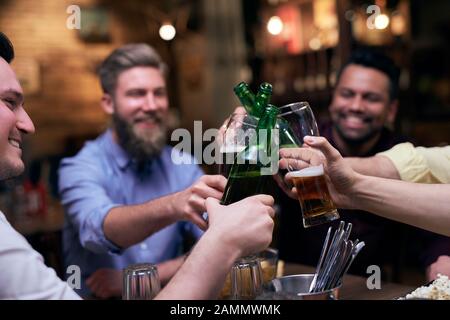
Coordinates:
356 141
9 172
142 145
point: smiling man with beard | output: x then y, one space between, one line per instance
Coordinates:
125 200
363 107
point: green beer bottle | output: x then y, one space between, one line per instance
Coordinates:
247 176
246 97
254 105
263 97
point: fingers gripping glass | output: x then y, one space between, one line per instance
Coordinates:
313 194
296 120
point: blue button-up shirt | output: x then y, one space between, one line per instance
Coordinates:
103 176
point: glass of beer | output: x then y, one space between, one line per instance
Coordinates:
295 121
239 131
314 196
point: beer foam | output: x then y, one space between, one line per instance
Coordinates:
231 149
307 172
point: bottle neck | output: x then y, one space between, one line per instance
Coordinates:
269 118
263 97
246 97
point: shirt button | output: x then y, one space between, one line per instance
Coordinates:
143 246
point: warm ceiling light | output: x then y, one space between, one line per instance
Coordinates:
275 25
381 21
167 32
315 43
398 24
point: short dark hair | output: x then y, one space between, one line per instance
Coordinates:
376 60
127 57
6 48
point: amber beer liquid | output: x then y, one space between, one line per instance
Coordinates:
315 200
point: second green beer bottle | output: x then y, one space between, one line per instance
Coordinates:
254 105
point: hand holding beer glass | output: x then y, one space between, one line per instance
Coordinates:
312 191
295 121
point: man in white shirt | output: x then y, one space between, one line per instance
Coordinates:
23 273
238 230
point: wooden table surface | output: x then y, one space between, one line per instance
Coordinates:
355 288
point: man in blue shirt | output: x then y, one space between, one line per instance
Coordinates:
125 200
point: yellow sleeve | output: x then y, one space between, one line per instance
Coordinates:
438 159
419 164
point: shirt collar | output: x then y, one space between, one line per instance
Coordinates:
123 159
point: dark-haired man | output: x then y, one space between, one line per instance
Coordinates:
364 104
23 273
363 107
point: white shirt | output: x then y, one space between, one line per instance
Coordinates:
23 274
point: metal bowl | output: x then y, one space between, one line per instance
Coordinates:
296 287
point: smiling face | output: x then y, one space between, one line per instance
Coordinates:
14 123
361 105
140 111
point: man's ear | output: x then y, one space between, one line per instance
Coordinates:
392 112
107 103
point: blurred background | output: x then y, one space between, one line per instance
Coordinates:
210 45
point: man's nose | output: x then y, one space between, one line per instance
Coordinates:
357 104
24 122
150 103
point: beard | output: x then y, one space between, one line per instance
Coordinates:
8 170
142 144
373 125
356 141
